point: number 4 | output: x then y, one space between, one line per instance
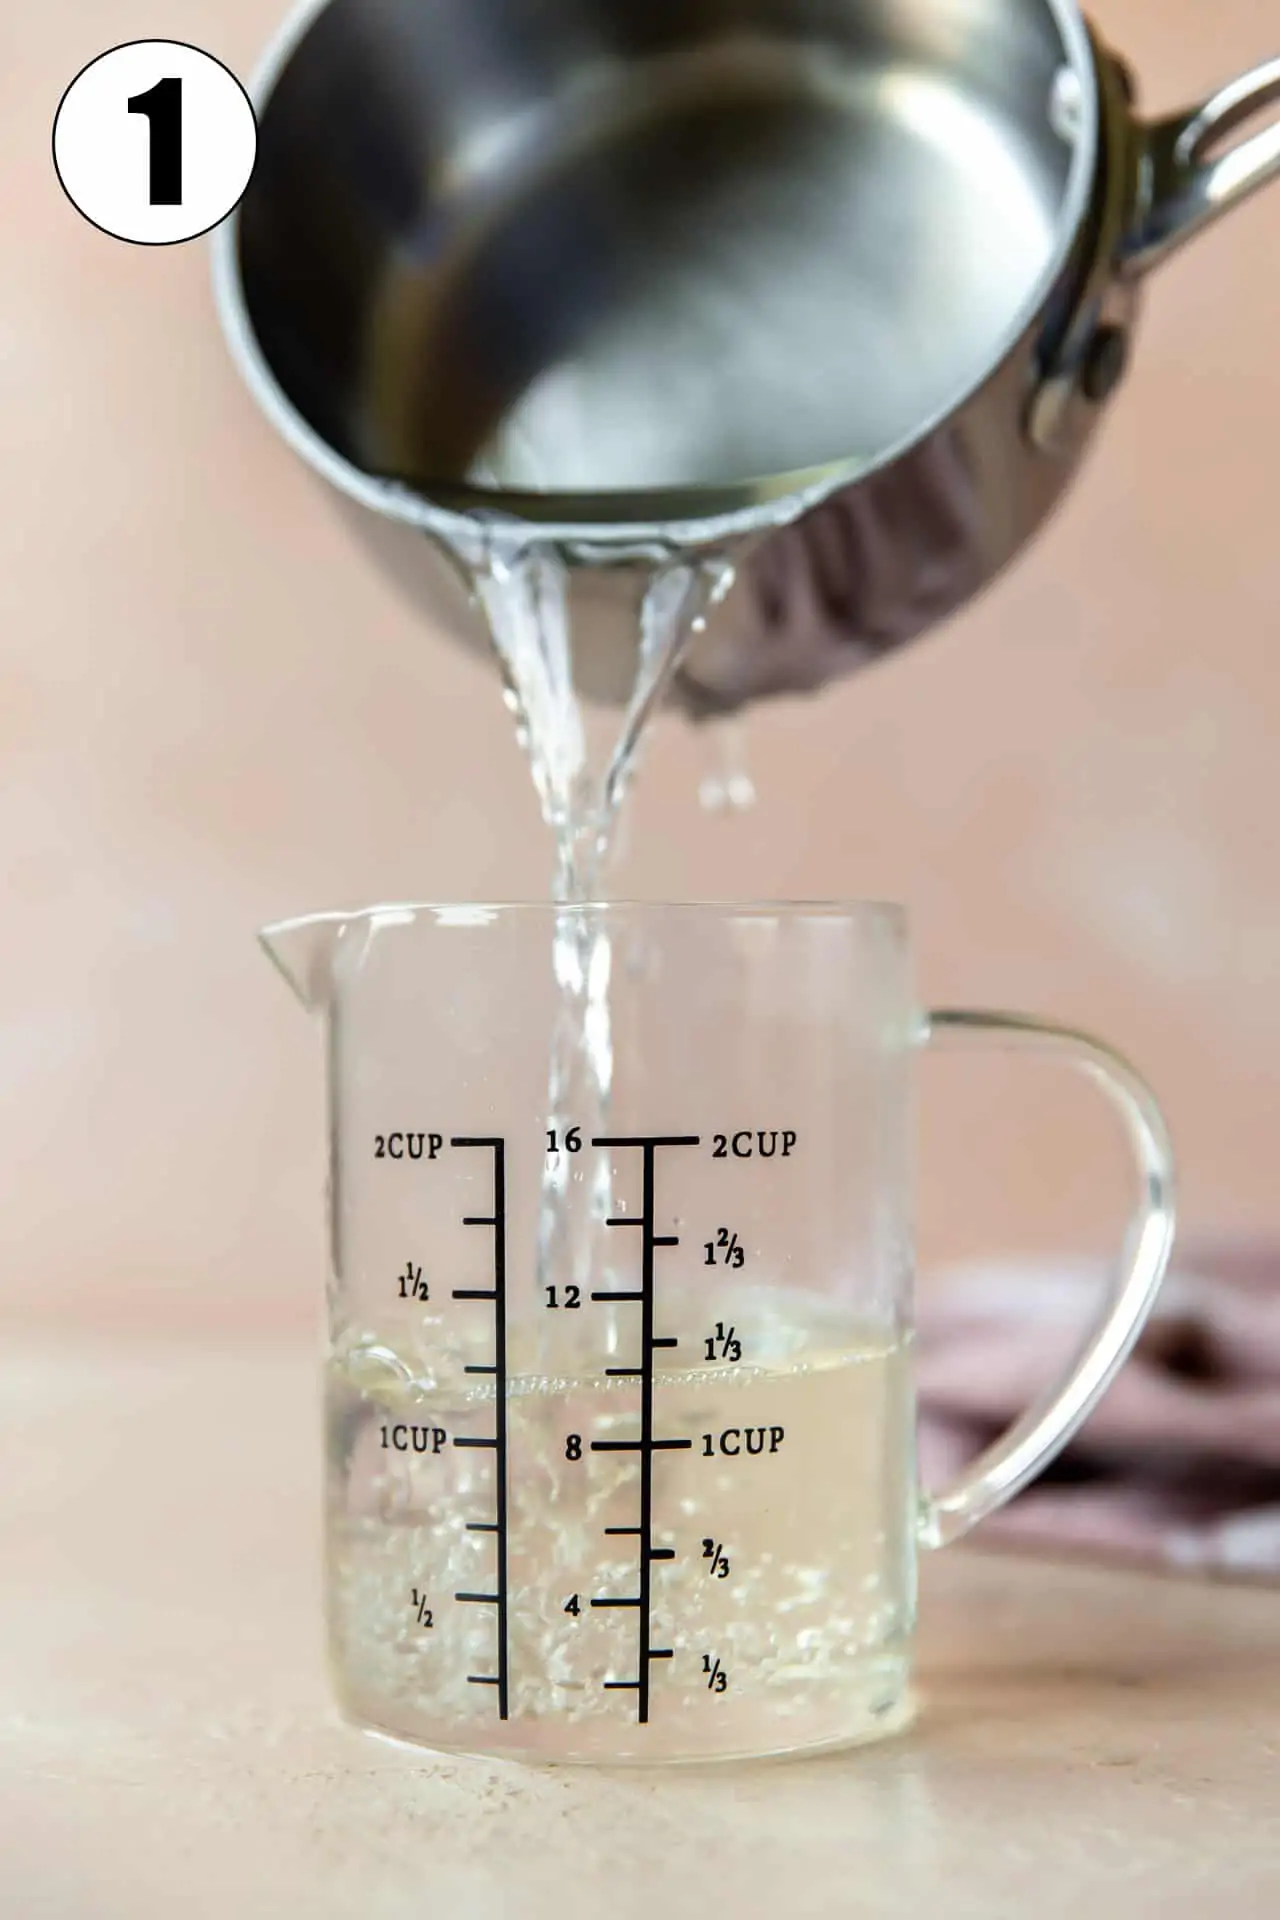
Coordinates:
162 106
573 1605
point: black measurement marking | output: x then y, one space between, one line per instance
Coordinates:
479 1369
405 1439
497 1220
625 1220
649 1140
479 1599
610 1602
646 1446
736 1440
412 1286
625 1373
635 1686
671 1341
723 1344
632 1530
725 1250
662 1553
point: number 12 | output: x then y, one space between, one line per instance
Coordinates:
162 106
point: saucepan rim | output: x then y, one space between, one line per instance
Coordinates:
765 503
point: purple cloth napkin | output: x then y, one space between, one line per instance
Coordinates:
1181 1462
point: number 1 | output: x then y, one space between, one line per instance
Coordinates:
162 105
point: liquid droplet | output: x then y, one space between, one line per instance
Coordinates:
728 786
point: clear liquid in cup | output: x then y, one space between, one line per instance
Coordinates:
779 1602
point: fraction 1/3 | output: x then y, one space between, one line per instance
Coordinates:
717 1678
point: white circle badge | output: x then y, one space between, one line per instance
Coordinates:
155 142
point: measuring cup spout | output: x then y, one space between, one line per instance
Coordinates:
303 951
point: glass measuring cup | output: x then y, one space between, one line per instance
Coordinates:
619 1405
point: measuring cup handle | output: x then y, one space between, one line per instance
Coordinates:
1028 1447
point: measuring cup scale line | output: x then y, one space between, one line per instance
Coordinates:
647 1445
497 1221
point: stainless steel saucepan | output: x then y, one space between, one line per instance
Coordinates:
839 287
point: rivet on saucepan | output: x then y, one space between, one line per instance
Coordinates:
1066 105
1105 364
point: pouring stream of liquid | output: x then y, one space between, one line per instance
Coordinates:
523 588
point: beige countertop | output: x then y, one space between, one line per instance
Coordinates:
1088 1740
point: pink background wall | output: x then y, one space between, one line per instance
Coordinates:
212 714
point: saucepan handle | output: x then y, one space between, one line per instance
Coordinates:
1019 1455
1187 176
